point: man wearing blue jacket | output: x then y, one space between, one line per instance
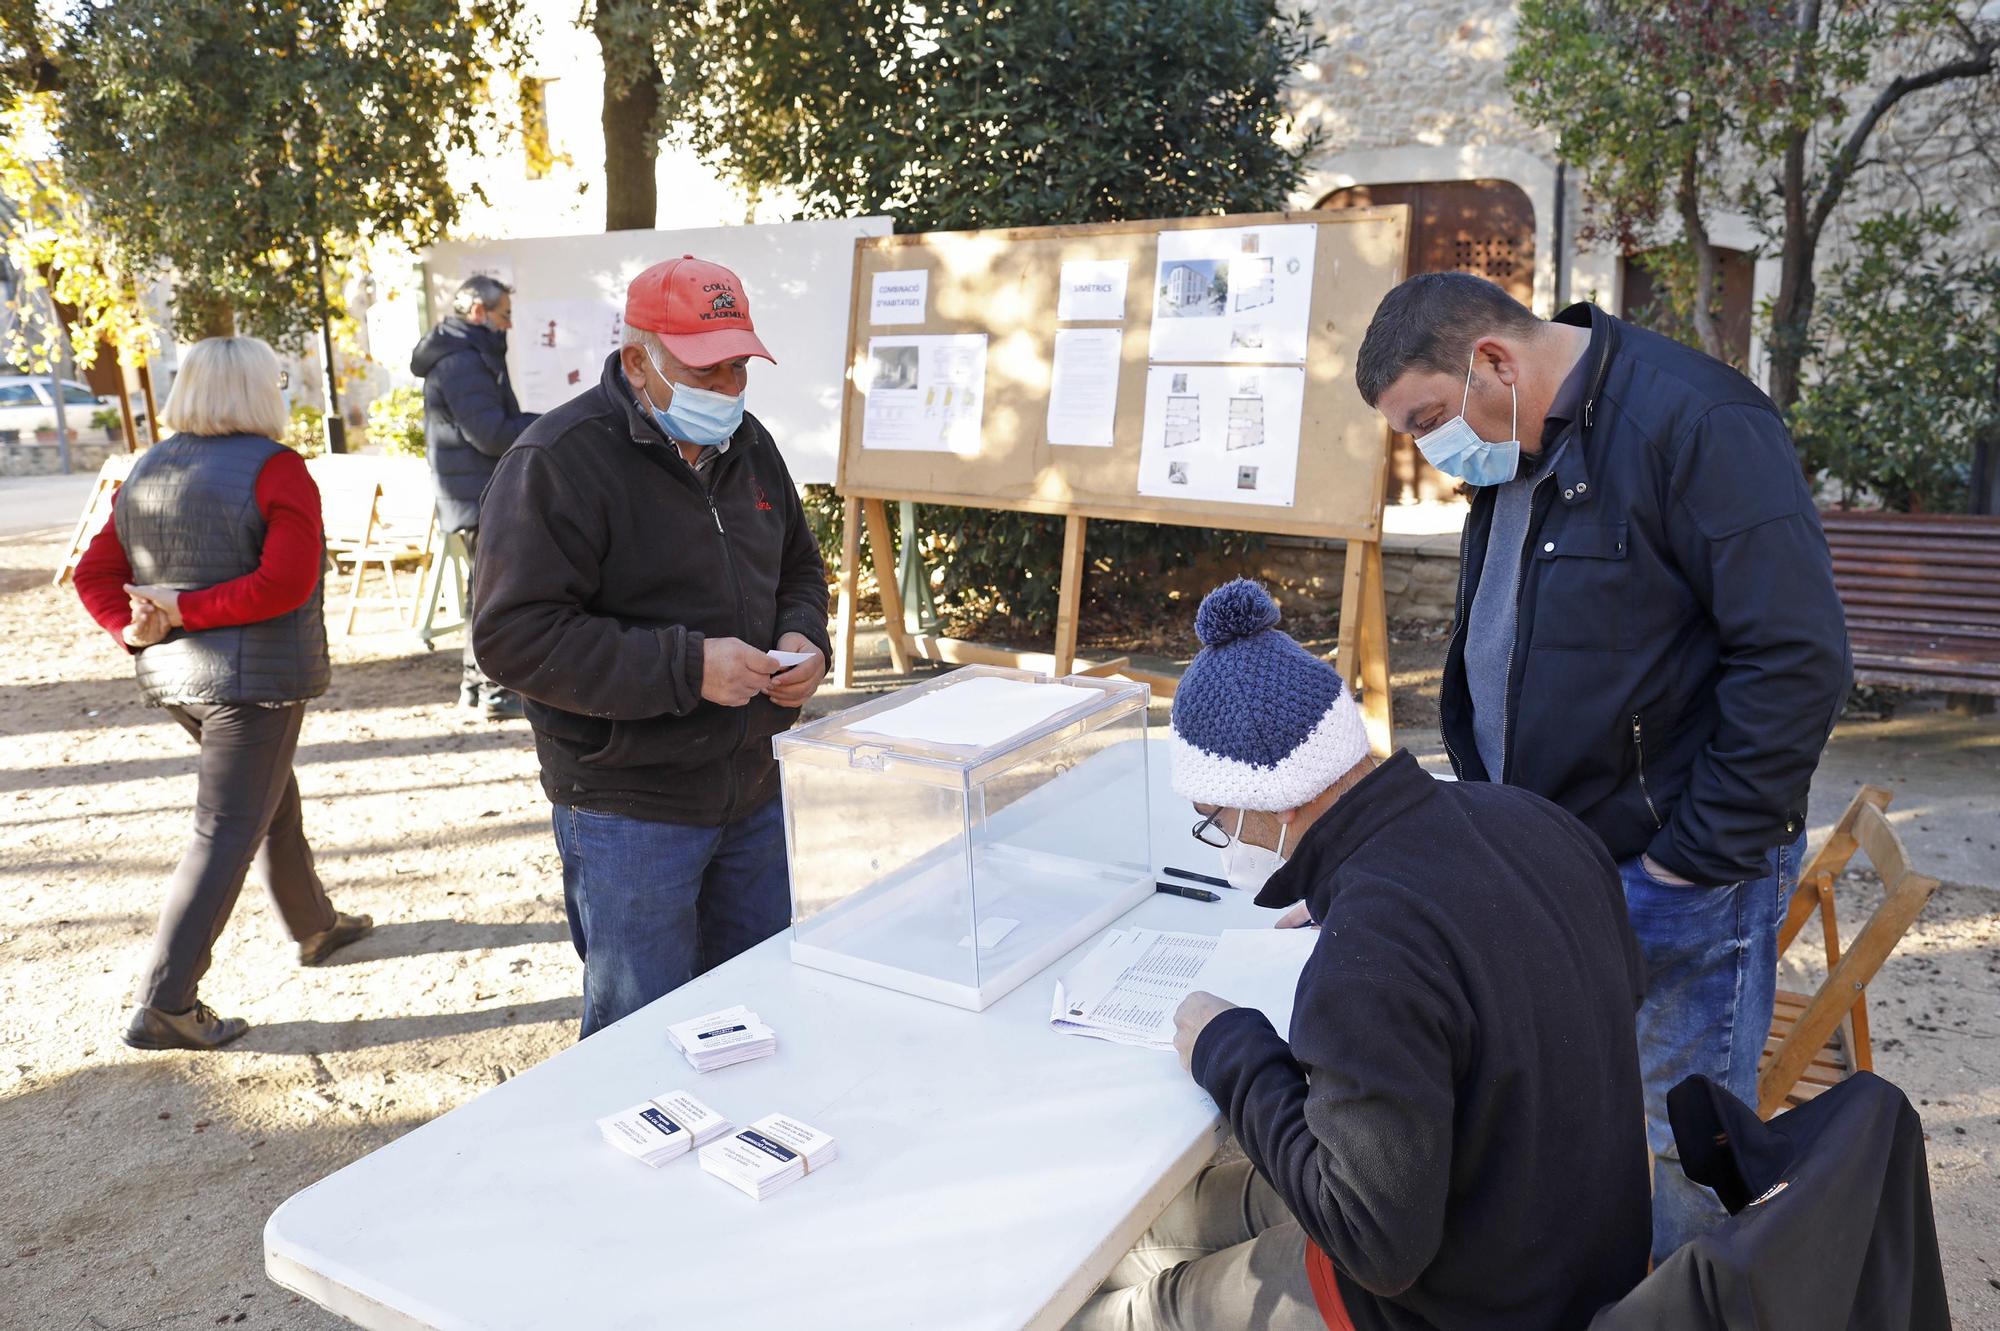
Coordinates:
1449 1135
1647 634
471 417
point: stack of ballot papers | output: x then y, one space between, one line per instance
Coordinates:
663 1128
733 1035
1127 988
769 1154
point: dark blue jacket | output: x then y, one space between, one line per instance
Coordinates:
1456 1118
471 416
1681 654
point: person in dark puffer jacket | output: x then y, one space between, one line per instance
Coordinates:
471 417
210 571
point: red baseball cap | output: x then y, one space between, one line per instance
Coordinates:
699 310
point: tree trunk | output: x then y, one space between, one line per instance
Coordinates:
215 315
631 136
1703 300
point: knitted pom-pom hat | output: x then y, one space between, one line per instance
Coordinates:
1259 722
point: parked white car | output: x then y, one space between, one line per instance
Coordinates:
27 405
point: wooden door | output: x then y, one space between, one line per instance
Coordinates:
1483 227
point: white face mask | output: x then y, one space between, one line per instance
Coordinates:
1249 867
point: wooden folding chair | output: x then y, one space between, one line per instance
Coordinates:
96 512
1818 1041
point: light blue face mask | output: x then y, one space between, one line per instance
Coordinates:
1456 449
697 415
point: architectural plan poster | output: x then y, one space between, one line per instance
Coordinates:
1234 294
558 347
1222 433
925 393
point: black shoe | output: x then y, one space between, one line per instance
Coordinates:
196 1028
503 706
346 928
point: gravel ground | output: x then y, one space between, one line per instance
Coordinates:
137 1185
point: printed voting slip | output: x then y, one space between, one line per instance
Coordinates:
719 1039
772 1152
663 1128
1127 988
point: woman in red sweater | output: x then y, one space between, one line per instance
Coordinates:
209 573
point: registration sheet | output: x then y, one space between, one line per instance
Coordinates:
1127 989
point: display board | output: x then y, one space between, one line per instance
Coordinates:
1223 369
1197 371
569 292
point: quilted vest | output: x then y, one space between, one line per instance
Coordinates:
187 517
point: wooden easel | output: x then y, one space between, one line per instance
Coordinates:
1341 467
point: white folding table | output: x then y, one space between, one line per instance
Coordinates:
990 1170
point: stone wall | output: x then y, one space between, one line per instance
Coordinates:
30 457
1419 574
1418 72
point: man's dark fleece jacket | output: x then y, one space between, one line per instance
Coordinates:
604 563
1456 1122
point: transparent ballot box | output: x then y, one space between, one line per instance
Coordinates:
953 838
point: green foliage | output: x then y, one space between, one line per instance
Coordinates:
1672 108
396 422
1909 375
1642 93
306 435
969 115
223 142
106 418
965 114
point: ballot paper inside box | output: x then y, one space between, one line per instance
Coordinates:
953 838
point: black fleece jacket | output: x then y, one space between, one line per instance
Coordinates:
604 563
1457 1121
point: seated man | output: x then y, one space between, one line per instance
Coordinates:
1454 1135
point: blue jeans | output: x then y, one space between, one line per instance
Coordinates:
652 905
1712 978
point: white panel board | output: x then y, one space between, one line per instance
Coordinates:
798 276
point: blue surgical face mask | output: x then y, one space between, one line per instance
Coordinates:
696 414
1456 449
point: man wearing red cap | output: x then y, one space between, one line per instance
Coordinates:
647 552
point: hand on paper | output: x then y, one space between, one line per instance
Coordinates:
1191 1018
166 599
791 688
1298 917
733 672
149 625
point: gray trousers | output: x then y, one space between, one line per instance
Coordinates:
1225 1253
246 813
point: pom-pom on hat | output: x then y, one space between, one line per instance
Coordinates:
1259 722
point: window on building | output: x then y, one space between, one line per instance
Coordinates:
1645 304
1484 227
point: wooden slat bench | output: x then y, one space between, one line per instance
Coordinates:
1922 595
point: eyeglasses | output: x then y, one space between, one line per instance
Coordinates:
1209 832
